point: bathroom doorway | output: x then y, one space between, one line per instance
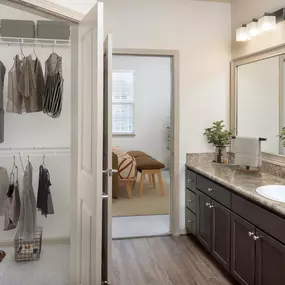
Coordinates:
144 121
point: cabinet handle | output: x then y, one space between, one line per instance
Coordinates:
250 234
190 222
210 189
256 238
208 205
211 206
191 201
189 180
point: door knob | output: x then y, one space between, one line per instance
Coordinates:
190 201
110 172
250 234
208 205
256 237
190 222
211 206
210 189
189 180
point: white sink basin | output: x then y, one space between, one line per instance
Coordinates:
273 192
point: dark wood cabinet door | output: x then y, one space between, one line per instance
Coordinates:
204 220
270 260
242 250
221 234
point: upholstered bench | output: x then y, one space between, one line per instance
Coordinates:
147 165
137 153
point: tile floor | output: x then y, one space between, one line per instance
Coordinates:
140 226
52 268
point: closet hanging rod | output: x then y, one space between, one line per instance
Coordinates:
28 154
34 149
34 41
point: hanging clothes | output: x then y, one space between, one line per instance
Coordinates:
4 184
12 206
2 113
44 200
15 99
27 221
31 84
52 101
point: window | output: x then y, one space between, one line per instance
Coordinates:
123 102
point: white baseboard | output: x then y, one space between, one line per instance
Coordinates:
47 241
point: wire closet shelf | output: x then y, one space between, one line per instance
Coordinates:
34 151
34 42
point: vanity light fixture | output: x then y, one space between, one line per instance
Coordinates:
257 26
267 22
242 34
253 28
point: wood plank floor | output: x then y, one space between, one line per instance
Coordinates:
164 261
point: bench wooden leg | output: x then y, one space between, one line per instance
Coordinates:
141 183
129 188
160 182
153 180
150 179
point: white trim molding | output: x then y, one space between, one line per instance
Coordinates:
235 63
46 9
174 173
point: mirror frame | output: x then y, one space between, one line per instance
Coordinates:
235 63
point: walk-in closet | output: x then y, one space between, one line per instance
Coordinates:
35 155
56 141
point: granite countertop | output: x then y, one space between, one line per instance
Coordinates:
241 183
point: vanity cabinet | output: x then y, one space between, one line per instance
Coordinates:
204 220
245 238
221 234
190 203
270 260
242 250
257 258
213 228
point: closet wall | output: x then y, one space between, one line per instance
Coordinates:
40 131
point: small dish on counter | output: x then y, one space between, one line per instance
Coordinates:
224 164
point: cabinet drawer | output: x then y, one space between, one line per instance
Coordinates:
190 222
261 218
190 200
214 190
190 180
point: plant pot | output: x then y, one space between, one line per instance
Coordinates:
220 154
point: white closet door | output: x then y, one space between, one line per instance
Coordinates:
90 148
107 163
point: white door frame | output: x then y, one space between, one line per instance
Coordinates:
174 157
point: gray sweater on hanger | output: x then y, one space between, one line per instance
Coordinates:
27 221
2 113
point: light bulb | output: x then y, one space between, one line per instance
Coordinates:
242 34
253 28
267 23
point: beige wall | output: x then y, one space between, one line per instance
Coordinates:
243 11
205 53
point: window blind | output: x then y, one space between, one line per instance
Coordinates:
123 102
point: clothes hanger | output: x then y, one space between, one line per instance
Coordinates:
43 164
22 165
34 51
21 53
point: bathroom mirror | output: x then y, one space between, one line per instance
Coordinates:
258 98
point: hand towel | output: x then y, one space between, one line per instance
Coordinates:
247 151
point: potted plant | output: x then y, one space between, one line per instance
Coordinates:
219 137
